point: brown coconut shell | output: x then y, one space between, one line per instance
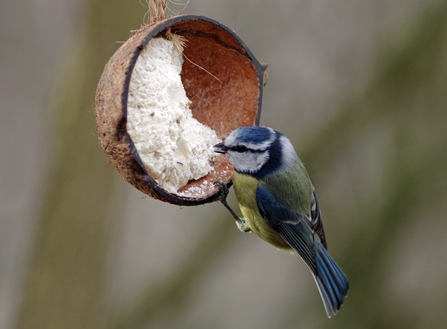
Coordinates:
225 98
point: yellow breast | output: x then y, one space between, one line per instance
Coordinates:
245 188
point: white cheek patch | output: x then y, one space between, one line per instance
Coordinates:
248 161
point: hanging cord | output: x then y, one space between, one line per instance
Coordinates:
157 13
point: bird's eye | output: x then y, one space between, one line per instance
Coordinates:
240 148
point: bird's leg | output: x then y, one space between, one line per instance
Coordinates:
223 198
240 222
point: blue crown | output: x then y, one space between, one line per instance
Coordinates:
255 135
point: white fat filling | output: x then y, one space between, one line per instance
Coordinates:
173 146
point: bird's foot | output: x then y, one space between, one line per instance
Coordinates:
242 225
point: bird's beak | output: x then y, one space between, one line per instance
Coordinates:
220 148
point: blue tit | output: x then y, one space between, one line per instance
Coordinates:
279 204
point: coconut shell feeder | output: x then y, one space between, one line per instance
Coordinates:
221 78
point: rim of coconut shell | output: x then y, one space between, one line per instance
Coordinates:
113 89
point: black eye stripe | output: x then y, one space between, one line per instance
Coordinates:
240 148
243 148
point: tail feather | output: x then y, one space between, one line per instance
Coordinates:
331 281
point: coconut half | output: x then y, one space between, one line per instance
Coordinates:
159 111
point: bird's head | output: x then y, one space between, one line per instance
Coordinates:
258 151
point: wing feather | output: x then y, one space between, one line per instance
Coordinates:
293 227
315 218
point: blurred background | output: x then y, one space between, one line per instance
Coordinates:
360 87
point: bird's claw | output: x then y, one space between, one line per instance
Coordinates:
223 190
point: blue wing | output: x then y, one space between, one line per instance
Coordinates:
298 232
